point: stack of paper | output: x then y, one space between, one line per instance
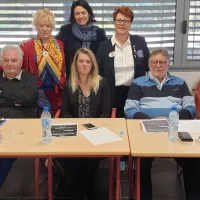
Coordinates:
155 126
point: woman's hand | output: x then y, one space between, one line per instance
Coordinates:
22 42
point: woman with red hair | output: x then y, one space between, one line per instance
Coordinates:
122 58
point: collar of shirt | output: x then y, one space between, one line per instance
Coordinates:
18 77
158 83
114 41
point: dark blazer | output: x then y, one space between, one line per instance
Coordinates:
100 102
106 60
72 44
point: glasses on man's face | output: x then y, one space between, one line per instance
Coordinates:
124 21
156 62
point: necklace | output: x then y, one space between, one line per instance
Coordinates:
45 52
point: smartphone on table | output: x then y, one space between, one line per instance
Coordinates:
89 126
185 136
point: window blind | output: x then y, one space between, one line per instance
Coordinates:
155 19
193 44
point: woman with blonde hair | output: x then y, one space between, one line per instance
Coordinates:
85 95
44 56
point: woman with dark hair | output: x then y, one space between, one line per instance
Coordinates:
80 32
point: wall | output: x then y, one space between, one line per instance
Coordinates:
191 78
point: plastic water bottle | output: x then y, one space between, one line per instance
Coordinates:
173 124
46 125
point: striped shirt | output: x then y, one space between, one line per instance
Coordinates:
147 96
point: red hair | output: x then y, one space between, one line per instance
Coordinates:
125 11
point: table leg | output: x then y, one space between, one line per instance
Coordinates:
137 160
131 178
36 181
117 178
50 197
111 168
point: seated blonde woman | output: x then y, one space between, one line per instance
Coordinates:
44 56
85 95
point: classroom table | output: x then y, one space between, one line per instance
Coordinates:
154 145
23 138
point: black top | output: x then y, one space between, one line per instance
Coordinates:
106 61
72 44
99 103
18 98
84 110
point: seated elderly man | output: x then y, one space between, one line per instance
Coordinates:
152 96
18 94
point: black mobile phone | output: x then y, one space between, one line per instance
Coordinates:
89 126
185 136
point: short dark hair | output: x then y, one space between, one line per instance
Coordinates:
86 6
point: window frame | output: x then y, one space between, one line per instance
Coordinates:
181 40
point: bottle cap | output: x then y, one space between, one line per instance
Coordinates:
121 133
174 108
46 108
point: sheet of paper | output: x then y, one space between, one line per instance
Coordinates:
64 130
3 121
100 136
154 126
191 126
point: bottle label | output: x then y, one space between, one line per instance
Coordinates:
45 122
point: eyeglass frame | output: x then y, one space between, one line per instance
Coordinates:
155 63
125 21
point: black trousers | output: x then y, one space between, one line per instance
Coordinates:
81 174
191 175
121 93
5 167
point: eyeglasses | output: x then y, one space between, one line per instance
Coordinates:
124 21
156 62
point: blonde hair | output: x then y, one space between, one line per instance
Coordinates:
45 13
93 77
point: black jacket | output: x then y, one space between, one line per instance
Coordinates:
72 44
106 62
18 98
100 102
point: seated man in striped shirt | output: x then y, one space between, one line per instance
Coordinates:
152 96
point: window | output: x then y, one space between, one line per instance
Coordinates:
193 44
159 21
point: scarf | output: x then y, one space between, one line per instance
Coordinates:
51 62
85 33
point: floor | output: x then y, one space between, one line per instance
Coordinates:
20 183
